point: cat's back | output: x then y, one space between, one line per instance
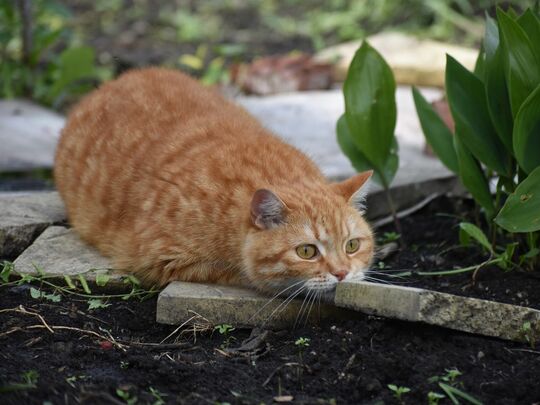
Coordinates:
136 144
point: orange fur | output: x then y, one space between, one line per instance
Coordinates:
159 174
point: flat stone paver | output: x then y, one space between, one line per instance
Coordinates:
28 135
216 304
415 61
58 251
465 314
23 217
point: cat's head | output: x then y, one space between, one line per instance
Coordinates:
308 238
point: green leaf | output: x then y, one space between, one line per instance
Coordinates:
102 279
467 100
477 234
359 161
521 211
35 293
69 282
7 268
531 25
520 61
527 132
498 99
452 391
436 132
480 64
472 176
95 303
75 64
370 104
84 284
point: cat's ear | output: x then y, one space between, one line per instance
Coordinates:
354 189
267 209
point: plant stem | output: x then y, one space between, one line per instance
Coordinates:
450 272
25 9
393 211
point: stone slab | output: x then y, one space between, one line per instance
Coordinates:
58 251
28 135
307 120
465 314
180 301
23 217
414 61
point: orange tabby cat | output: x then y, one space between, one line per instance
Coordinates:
173 182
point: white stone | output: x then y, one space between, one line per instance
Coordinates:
28 135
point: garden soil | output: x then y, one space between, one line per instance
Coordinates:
119 355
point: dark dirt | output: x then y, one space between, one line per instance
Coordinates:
346 362
432 244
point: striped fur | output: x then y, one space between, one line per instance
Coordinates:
159 174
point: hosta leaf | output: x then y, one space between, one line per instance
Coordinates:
359 161
472 176
527 133
477 234
436 132
521 211
468 103
520 61
370 105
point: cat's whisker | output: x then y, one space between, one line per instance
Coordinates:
298 316
285 303
379 273
315 295
274 297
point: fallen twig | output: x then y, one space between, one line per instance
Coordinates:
22 310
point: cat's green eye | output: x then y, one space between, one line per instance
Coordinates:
352 245
307 251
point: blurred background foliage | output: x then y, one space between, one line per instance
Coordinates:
77 43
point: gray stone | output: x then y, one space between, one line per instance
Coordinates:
377 299
28 135
58 251
217 304
465 314
24 217
473 315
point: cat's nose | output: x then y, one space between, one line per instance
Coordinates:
340 274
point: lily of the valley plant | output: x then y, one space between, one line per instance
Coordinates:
496 110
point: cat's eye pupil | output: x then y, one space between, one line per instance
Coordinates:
352 245
306 251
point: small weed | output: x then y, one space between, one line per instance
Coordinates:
74 378
158 396
434 397
124 364
96 303
126 396
529 333
225 330
388 237
302 342
398 391
29 381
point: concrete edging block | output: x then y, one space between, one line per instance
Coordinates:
473 315
217 304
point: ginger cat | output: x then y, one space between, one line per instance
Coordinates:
174 182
